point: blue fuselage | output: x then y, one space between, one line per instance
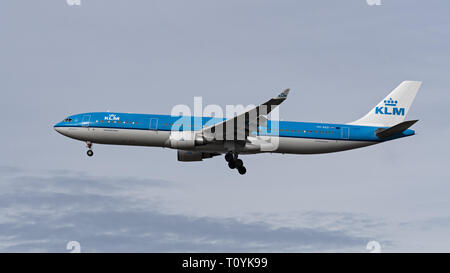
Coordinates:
328 131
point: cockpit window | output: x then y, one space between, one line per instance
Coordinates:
68 120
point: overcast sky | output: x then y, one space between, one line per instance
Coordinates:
339 58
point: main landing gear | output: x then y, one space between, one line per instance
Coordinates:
89 146
235 163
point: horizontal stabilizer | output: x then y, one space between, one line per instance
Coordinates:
396 129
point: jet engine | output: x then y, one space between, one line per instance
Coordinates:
192 155
185 139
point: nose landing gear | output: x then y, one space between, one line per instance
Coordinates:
235 163
89 146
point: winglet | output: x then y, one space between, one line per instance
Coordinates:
283 95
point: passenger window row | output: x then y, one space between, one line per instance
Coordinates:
119 122
305 131
171 124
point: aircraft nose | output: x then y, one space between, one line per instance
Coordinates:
58 128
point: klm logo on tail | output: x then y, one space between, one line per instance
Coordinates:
390 108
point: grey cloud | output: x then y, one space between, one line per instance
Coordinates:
43 214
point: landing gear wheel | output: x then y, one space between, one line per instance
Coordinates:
238 163
242 170
90 153
232 164
229 157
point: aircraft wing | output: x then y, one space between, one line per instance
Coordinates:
240 126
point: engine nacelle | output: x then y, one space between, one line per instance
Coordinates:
185 139
187 156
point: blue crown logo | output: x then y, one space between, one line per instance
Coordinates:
390 102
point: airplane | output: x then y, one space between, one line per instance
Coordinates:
251 132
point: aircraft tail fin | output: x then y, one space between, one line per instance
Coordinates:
392 110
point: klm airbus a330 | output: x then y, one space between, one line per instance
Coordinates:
251 132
